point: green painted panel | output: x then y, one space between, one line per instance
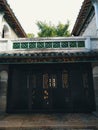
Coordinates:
32 45
48 45
64 44
40 45
24 45
81 44
73 44
16 45
56 44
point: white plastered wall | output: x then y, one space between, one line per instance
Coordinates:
11 34
91 29
5 30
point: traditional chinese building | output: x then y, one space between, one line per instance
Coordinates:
47 74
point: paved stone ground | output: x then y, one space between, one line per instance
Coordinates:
59 121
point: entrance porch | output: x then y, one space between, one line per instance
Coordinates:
65 87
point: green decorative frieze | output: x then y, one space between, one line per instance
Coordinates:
50 44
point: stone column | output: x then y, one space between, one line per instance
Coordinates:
3 87
95 80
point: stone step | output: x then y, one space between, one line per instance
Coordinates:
49 128
49 122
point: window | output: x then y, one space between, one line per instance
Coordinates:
49 81
5 32
54 81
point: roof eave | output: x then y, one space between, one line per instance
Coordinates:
11 19
82 18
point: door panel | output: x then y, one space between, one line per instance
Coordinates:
46 91
35 99
61 95
18 92
49 83
76 90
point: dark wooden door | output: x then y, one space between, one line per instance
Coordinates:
48 90
40 88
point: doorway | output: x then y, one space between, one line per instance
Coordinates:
50 87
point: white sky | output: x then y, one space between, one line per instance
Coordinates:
29 12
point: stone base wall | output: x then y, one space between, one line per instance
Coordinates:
3 95
95 81
3 87
96 91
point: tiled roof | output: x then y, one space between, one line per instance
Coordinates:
11 19
52 57
85 15
49 54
